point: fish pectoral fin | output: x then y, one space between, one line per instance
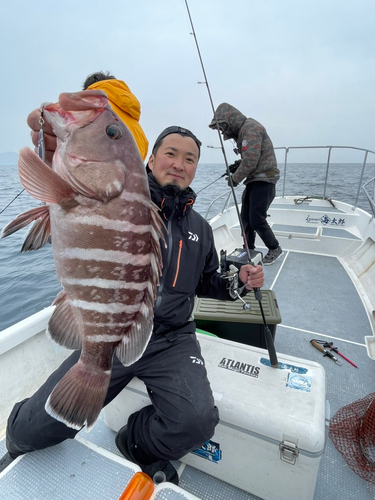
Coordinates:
63 327
41 181
134 342
22 220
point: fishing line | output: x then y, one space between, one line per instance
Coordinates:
213 182
210 184
17 195
257 291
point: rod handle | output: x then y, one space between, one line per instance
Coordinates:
318 346
271 347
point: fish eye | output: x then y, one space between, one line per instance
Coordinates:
113 132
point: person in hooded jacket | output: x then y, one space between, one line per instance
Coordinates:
183 415
258 169
123 102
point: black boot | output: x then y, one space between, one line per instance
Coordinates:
159 471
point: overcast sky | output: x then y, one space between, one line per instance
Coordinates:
304 68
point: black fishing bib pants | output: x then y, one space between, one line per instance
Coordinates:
181 418
256 200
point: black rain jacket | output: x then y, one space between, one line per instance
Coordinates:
190 261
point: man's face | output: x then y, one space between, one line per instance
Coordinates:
224 129
175 162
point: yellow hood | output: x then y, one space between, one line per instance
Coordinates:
127 107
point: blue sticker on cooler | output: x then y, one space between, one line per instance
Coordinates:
300 382
285 366
210 451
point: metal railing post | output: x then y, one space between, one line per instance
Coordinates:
327 168
370 200
361 179
285 163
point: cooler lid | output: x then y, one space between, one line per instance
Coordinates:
283 405
225 310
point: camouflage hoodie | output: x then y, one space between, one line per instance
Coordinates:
258 161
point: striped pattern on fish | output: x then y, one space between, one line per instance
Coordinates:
105 239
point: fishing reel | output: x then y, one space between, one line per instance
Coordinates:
236 151
231 277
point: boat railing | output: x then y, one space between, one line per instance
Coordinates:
227 197
228 202
369 197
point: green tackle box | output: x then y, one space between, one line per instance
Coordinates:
228 320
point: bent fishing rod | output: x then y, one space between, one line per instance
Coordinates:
257 292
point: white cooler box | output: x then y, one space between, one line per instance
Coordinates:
272 429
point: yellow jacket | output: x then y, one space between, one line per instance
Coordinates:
127 107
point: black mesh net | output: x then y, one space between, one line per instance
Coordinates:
352 431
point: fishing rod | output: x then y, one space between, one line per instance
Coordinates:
232 169
257 292
210 184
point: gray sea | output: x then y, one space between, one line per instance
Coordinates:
28 281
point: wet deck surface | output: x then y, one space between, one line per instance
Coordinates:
317 300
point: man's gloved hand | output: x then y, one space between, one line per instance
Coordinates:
232 168
235 184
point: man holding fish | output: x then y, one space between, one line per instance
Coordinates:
122 319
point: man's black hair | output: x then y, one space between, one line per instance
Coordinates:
97 77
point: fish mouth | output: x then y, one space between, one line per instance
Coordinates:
77 109
83 101
60 120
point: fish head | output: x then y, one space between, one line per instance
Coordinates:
95 151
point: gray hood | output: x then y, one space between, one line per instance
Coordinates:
229 119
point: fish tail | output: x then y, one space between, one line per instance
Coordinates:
79 396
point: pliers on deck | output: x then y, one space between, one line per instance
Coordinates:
319 344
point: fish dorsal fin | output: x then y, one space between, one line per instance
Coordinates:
63 327
41 181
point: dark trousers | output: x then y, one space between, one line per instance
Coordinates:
181 418
256 200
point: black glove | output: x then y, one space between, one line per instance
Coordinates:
235 184
234 166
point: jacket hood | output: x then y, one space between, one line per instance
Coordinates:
170 198
229 119
120 97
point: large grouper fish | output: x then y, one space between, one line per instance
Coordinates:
105 234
